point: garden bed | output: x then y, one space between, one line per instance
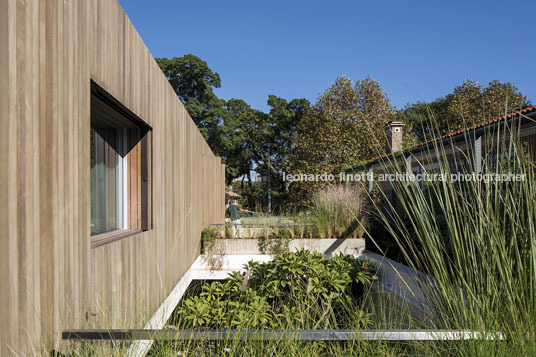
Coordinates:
297 290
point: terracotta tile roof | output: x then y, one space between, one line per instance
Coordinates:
525 111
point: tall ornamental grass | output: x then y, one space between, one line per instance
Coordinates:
475 240
339 211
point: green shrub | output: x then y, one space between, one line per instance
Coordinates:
207 238
295 290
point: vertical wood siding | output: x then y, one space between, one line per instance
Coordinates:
51 278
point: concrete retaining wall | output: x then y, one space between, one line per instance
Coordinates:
325 246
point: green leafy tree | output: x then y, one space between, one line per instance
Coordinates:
241 127
224 124
274 147
283 119
421 118
344 128
194 83
244 137
262 142
502 98
469 104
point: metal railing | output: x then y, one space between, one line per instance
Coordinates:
275 335
262 225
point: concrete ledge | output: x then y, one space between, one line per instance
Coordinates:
409 289
324 246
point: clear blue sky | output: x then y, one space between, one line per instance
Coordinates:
296 48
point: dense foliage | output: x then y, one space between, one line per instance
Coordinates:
194 83
295 290
344 128
244 137
207 237
468 104
261 141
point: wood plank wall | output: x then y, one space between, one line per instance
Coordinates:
50 277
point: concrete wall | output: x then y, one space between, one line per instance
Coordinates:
324 246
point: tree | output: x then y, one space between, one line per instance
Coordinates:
469 104
344 128
273 149
244 137
262 141
194 81
421 118
502 98
239 135
282 125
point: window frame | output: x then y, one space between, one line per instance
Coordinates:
137 187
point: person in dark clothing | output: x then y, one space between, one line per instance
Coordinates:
233 211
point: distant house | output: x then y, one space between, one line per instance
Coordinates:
462 147
106 182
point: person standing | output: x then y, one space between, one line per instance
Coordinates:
233 211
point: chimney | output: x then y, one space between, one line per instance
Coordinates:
393 133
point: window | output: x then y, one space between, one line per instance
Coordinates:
108 166
120 167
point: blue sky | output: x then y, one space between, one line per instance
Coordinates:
296 48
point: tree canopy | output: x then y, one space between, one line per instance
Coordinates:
468 104
344 128
194 83
245 138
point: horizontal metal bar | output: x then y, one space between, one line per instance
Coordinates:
261 225
274 335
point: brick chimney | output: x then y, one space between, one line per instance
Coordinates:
393 133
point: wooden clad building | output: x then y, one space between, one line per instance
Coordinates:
105 181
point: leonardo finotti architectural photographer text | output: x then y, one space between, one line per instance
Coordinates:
404 177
